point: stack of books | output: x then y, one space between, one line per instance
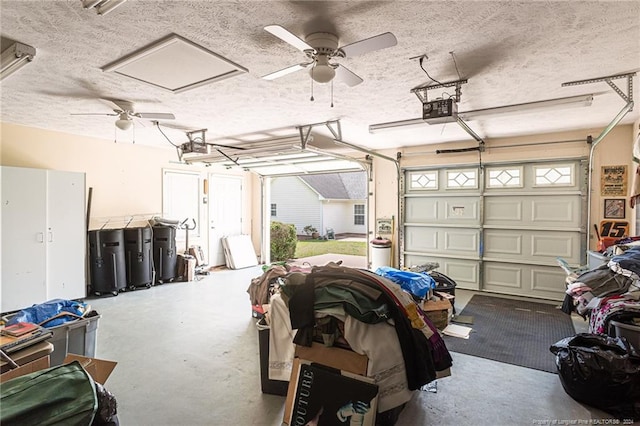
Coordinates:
21 335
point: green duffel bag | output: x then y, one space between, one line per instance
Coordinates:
64 394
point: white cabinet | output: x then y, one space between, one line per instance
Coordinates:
43 236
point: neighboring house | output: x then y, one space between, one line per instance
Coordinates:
325 201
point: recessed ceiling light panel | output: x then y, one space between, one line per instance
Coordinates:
175 64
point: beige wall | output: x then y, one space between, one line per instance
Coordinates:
614 149
126 178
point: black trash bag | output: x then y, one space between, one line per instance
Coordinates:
600 371
107 414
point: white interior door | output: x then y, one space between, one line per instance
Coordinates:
24 221
66 235
225 213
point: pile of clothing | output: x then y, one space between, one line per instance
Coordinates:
608 293
364 312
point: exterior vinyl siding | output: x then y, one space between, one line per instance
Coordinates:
338 215
296 203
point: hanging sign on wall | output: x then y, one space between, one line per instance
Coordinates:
613 181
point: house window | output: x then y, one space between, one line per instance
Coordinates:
358 214
274 210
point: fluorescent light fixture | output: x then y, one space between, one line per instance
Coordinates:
14 58
393 124
558 103
552 104
87 4
102 6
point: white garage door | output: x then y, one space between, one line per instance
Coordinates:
500 230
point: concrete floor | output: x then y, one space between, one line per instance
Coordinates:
188 355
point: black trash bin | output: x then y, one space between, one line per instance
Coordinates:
165 255
107 261
138 257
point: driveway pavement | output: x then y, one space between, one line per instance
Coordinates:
322 259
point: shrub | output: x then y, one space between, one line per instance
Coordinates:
283 241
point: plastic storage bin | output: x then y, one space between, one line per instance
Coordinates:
75 337
596 259
628 331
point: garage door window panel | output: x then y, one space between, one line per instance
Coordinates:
556 175
462 179
504 177
423 181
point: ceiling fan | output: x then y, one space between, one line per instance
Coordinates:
126 112
321 48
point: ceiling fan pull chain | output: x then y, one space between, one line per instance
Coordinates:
133 131
115 135
331 93
311 86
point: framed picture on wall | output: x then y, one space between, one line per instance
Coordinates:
384 226
614 208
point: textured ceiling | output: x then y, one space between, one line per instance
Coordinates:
510 52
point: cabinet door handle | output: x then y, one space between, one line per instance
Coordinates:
40 237
50 236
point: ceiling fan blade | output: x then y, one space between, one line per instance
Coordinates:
140 122
288 37
381 41
347 76
155 115
94 113
121 104
284 71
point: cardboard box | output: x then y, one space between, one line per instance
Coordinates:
186 267
26 355
438 312
37 358
30 367
98 369
341 359
30 359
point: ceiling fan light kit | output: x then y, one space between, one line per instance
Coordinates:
125 111
124 122
322 71
322 47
